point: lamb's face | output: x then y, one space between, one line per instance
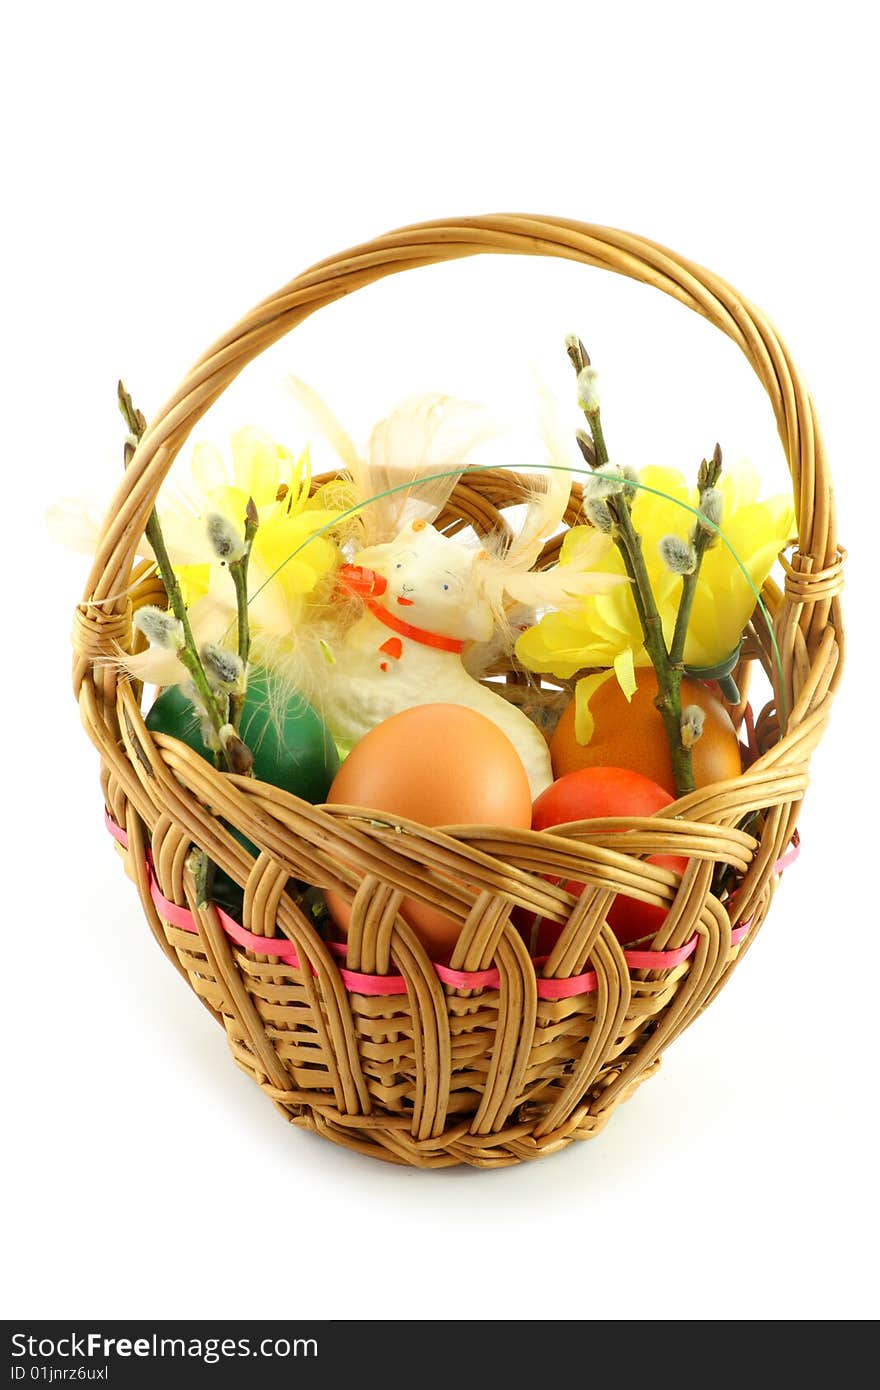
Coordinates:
431 583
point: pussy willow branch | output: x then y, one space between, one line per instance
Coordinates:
202 869
629 543
188 655
238 571
702 538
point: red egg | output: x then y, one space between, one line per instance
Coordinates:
439 765
591 793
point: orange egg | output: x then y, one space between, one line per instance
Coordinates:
631 734
438 765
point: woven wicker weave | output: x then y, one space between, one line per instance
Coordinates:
434 1073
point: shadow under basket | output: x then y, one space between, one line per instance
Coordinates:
496 1057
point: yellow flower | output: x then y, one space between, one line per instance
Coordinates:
603 630
287 557
287 561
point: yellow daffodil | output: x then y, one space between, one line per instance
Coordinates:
602 630
282 566
288 557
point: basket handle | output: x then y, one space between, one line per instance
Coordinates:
814 578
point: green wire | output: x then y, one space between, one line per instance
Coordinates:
552 468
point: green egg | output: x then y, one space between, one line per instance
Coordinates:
291 744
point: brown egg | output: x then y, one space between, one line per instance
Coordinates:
438 765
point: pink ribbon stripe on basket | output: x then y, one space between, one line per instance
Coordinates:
356 983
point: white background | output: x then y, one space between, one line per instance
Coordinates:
165 167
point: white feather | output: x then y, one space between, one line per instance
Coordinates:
425 435
209 619
327 424
75 522
78 524
546 502
550 588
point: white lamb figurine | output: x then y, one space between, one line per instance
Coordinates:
425 597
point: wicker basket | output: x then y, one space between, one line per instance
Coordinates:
495 1058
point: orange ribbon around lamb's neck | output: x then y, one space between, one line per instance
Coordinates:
415 634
